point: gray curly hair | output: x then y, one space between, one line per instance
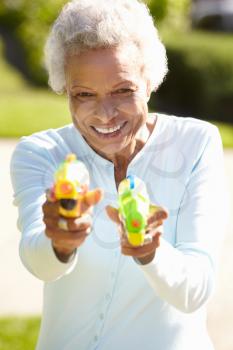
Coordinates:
88 24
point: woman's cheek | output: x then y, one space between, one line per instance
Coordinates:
133 107
83 109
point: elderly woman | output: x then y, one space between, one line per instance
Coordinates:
101 292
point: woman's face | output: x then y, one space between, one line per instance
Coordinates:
108 97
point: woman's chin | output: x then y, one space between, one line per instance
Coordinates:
109 150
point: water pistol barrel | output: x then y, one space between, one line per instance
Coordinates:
134 206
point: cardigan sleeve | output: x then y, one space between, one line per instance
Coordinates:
184 274
32 168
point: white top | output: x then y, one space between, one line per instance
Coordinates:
102 299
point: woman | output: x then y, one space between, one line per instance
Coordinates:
101 292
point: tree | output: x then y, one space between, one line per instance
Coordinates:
24 25
171 13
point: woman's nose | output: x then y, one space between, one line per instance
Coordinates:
106 109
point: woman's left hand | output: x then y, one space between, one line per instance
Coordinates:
146 252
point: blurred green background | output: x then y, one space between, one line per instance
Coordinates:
199 84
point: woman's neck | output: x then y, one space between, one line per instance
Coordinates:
121 160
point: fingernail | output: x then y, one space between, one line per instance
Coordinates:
148 239
49 196
85 219
88 231
161 215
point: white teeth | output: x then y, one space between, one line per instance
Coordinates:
109 130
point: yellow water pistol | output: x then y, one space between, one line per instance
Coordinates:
71 183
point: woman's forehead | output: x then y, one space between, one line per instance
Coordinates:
119 57
115 65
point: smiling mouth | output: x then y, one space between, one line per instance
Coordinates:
109 132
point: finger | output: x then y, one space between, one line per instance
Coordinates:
147 250
50 195
68 245
156 208
90 198
156 214
72 224
126 244
93 197
122 231
113 214
65 247
75 224
153 233
84 220
66 236
154 225
157 230
142 250
51 209
72 241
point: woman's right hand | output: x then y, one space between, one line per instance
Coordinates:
64 241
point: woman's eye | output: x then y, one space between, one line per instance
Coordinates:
124 91
84 94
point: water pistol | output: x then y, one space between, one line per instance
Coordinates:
134 208
71 182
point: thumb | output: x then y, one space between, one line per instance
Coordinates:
93 197
157 214
113 214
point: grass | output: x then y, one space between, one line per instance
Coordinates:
206 39
226 132
19 333
28 111
25 110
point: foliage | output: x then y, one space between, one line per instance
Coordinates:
200 78
19 333
10 78
199 84
170 13
226 132
25 110
28 23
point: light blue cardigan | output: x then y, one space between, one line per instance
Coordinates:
102 299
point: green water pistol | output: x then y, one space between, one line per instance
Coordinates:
134 208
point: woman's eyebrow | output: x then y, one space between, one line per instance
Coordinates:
80 86
129 82
125 82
